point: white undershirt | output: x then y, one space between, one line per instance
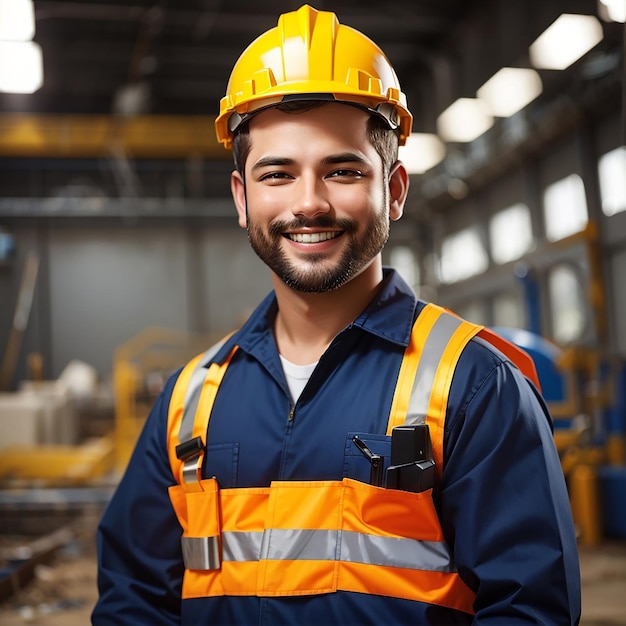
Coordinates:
297 376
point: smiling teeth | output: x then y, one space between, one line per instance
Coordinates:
312 237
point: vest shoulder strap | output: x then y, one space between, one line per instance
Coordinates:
190 410
421 396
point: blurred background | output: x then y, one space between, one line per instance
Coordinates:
120 254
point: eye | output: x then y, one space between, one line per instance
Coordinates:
345 173
275 177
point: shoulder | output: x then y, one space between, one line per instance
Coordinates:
481 363
489 393
482 356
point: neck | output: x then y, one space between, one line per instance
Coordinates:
306 323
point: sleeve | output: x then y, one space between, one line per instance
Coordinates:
138 540
504 504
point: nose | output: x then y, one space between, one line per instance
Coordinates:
310 197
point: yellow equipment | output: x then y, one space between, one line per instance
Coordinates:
58 464
140 368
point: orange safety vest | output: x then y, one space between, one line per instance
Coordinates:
310 537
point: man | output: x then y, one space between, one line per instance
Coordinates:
312 495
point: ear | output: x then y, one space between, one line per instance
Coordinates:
238 189
398 189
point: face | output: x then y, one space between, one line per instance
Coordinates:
316 202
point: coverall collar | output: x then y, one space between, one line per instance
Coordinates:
390 316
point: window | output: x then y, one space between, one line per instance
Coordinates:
565 207
510 233
462 255
508 310
566 303
612 174
474 311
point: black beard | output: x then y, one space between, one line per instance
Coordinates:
317 278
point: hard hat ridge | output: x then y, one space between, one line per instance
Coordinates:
310 55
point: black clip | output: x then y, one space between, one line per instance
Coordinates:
189 449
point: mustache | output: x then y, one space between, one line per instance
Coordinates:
278 227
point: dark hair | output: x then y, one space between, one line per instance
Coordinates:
384 139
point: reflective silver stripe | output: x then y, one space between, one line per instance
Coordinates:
436 343
241 546
201 553
293 545
334 545
192 395
432 556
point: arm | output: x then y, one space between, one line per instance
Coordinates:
139 560
504 504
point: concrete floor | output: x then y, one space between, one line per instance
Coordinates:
64 592
603 572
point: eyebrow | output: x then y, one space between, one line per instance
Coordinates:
342 157
345 157
271 161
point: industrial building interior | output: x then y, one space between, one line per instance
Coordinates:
121 257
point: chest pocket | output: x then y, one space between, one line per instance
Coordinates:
356 465
222 461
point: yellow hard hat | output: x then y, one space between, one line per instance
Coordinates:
310 55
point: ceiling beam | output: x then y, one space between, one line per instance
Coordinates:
92 136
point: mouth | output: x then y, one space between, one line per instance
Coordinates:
313 237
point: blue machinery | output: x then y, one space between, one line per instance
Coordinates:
587 399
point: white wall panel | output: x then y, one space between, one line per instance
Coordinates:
106 285
235 279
